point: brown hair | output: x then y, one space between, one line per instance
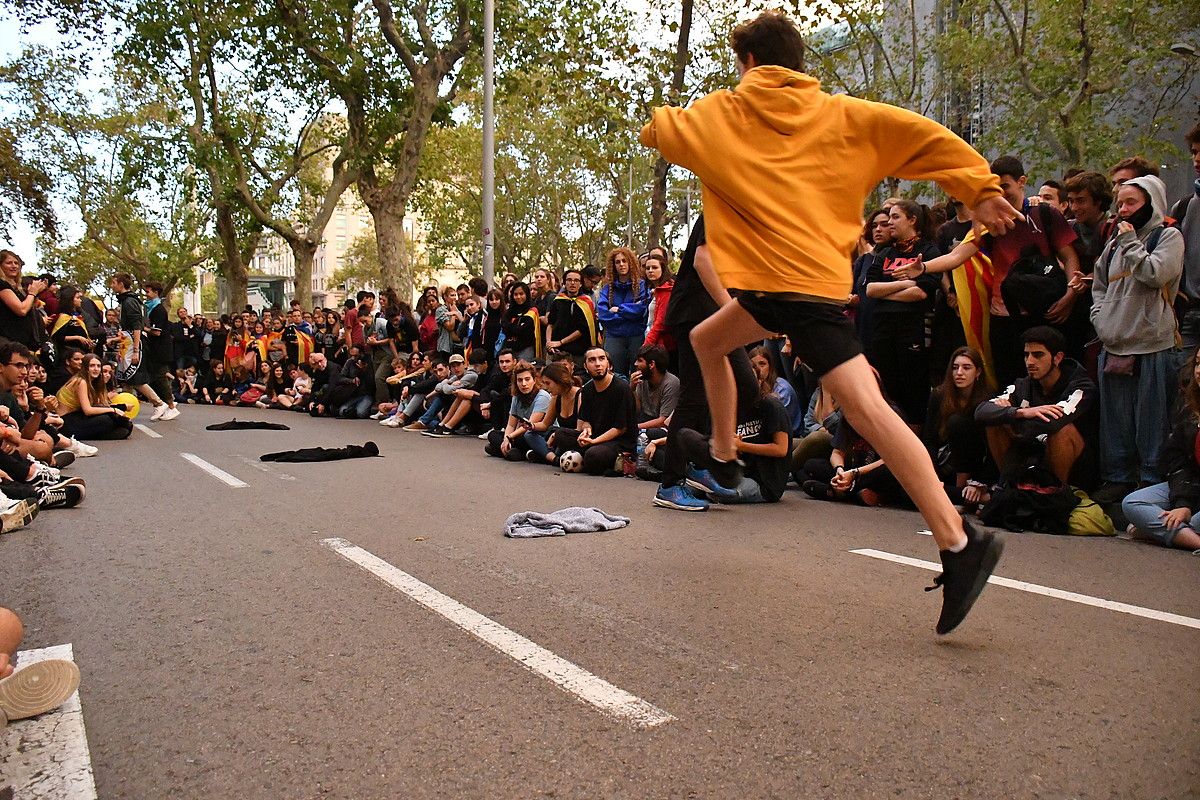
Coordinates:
523 366
768 386
636 276
1136 163
9 253
96 391
1091 183
559 373
772 38
1193 136
667 275
954 402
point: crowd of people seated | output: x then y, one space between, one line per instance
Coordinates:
1065 342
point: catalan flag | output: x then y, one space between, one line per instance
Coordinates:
974 283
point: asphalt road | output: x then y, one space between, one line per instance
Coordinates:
226 652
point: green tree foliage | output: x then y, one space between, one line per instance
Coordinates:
24 187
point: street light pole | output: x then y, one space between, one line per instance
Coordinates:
489 143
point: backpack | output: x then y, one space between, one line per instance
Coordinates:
1035 281
1089 519
1030 499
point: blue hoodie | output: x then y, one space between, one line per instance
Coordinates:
630 319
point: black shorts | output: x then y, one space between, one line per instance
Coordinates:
822 336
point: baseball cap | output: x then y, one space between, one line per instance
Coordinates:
456 359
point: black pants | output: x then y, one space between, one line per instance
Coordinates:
691 411
158 380
881 481
597 459
897 351
99 426
967 448
496 437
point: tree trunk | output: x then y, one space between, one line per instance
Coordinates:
394 255
304 250
232 267
658 196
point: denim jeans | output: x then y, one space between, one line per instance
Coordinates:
748 491
1135 417
435 407
537 443
1144 507
622 352
359 407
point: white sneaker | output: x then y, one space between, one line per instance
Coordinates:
16 514
376 415
159 411
169 414
391 422
82 450
482 437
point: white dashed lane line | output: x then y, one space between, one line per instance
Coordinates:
153 434
1047 591
216 472
577 681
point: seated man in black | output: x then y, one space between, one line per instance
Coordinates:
1050 412
607 416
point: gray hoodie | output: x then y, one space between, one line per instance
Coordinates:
1131 314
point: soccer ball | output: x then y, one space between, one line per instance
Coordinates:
571 461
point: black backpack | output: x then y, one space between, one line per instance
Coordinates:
1035 282
1030 499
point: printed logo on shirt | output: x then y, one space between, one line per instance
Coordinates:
890 265
749 428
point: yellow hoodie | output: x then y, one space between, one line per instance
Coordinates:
786 168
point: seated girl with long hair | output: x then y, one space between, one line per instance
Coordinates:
85 409
956 442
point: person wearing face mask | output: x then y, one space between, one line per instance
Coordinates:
1134 285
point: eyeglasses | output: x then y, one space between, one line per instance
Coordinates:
572 280
25 365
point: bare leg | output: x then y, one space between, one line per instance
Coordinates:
11 633
722 333
853 384
1186 539
999 440
458 411
1063 450
149 394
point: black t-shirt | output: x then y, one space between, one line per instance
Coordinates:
887 260
566 317
612 408
15 327
158 349
951 233
690 302
768 417
404 334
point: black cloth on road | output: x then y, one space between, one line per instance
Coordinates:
314 454
235 425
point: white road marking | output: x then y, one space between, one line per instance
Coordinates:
584 685
1048 591
146 429
216 472
47 756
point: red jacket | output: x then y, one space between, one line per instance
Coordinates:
658 334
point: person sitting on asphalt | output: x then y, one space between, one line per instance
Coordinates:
607 420
462 410
764 443
17 374
956 442
560 381
85 408
1169 512
528 408
461 377
414 395
1049 414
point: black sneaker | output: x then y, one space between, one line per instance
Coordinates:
62 495
964 575
63 458
436 432
728 474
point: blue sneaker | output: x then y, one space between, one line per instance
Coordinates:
702 481
678 498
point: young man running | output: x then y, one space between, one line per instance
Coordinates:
785 169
